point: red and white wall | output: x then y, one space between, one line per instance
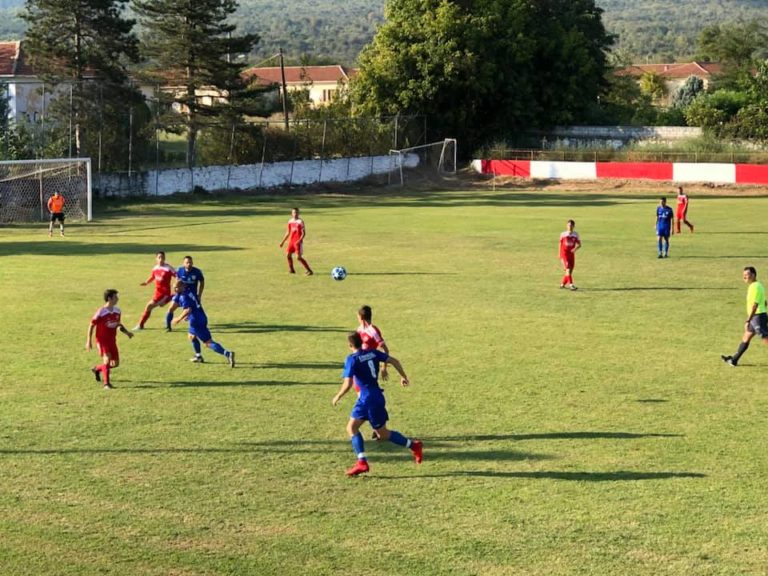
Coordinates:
667 171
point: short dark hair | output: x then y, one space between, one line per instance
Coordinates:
365 313
355 340
108 293
751 270
188 257
295 208
571 222
160 252
663 198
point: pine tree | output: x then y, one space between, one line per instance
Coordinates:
87 45
193 53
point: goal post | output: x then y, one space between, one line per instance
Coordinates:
424 162
26 186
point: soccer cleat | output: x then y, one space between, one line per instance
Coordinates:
168 329
660 255
96 374
231 359
138 328
308 273
108 387
197 359
360 467
729 360
417 447
562 285
573 287
666 254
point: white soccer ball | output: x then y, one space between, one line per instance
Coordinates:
339 273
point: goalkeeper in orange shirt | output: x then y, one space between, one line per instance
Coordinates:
56 208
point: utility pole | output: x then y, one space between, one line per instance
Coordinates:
285 89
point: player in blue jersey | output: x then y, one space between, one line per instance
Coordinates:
198 325
362 366
193 280
664 217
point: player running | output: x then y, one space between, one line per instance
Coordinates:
664 217
757 318
192 280
106 322
569 243
295 235
363 366
198 325
682 210
371 336
56 208
162 274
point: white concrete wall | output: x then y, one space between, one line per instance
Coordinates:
298 173
564 170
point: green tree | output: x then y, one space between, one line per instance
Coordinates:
738 46
484 69
652 85
85 46
193 52
683 96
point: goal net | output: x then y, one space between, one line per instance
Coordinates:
436 160
26 186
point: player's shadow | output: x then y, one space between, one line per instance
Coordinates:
386 452
300 365
258 328
224 384
655 288
401 274
586 435
652 400
65 247
130 231
579 476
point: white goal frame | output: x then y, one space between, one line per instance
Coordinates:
408 157
26 185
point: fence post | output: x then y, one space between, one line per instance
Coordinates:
231 149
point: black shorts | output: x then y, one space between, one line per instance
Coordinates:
759 325
57 216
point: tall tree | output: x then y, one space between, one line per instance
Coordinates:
86 44
193 53
484 69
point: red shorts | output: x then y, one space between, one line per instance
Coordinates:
111 349
681 213
568 261
161 298
295 248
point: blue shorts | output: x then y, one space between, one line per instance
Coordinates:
663 232
200 331
372 409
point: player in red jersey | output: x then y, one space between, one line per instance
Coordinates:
682 210
161 274
295 235
371 335
106 322
569 243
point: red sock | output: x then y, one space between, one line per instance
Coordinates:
304 263
104 369
569 279
564 280
144 317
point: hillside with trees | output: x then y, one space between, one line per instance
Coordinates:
331 31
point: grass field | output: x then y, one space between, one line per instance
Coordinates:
594 432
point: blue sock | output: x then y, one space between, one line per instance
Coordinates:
218 348
168 318
196 346
666 246
396 438
659 245
358 445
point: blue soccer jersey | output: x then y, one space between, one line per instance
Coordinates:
363 366
664 217
196 315
190 278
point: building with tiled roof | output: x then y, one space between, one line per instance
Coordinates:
322 82
27 98
674 75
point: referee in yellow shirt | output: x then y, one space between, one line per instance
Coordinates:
757 319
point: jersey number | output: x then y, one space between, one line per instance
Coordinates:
372 366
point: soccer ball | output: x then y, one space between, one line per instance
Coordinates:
338 273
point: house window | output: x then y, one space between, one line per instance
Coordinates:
328 95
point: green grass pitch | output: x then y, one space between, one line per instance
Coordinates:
594 432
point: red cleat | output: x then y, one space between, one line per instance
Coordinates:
418 451
361 467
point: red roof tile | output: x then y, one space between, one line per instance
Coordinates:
674 70
300 74
13 60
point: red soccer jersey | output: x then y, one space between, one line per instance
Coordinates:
568 243
162 274
106 322
682 202
371 336
296 229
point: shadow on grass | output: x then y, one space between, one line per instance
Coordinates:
651 400
256 328
616 476
402 274
302 365
724 257
652 288
128 230
46 247
554 436
224 384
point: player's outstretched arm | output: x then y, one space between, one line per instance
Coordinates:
345 387
147 281
89 338
125 331
399 367
181 317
